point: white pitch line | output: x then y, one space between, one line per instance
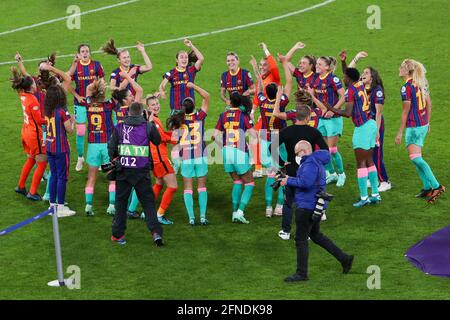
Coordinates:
204 34
66 17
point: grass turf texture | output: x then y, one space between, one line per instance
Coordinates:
224 260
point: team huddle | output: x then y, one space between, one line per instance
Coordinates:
251 130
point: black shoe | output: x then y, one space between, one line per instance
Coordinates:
157 240
21 191
423 193
295 277
133 215
436 193
34 197
347 265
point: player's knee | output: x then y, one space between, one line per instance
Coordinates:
81 129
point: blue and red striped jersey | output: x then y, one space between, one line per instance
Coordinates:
56 141
115 74
314 116
84 75
121 112
178 78
356 94
376 96
326 89
241 81
303 79
233 123
191 136
100 122
417 115
269 122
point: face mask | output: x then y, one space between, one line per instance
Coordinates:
298 159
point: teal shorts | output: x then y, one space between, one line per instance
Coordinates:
416 135
331 127
194 168
266 155
365 136
80 114
97 154
235 160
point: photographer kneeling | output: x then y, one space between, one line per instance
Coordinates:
311 201
129 147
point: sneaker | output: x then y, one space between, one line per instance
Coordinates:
269 212
257 174
424 193
375 199
384 186
242 219
324 217
120 240
361 203
347 265
46 196
21 191
284 235
133 215
111 210
164 220
88 210
295 278
192 222
34 197
204 221
341 180
234 216
333 177
278 210
65 212
436 193
142 216
157 239
79 165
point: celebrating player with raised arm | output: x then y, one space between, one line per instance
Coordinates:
230 134
187 66
235 79
125 97
305 72
416 117
83 71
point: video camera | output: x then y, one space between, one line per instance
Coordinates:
111 169
280 175
322 201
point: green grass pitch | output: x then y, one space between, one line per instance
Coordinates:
225 260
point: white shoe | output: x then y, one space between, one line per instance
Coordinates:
333 177
269 212
278 210
79 165
324 217
284 235
384 186
257 174
65 212
341 180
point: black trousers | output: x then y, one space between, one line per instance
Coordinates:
286 220
305 228
143 186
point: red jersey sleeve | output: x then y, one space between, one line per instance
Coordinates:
219 125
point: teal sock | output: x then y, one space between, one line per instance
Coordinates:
337 158
373 177
134 202
423 178
89 197
80 145
362 182
280 198
269 191
47 187
329 167
236 194
428 173
112 197
189 203
203 202
246 195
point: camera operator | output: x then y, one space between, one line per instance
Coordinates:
311 202
129 147
289 136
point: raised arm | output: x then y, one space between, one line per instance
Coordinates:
290 54
137 88
288 77
203 93
359 56
343 58
200 57
67 80
162 88
73 66
19 60
148 64
276 108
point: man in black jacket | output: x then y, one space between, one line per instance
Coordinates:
288 139
129 146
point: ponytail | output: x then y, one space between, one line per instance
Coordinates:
20 82
417 71
110 48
